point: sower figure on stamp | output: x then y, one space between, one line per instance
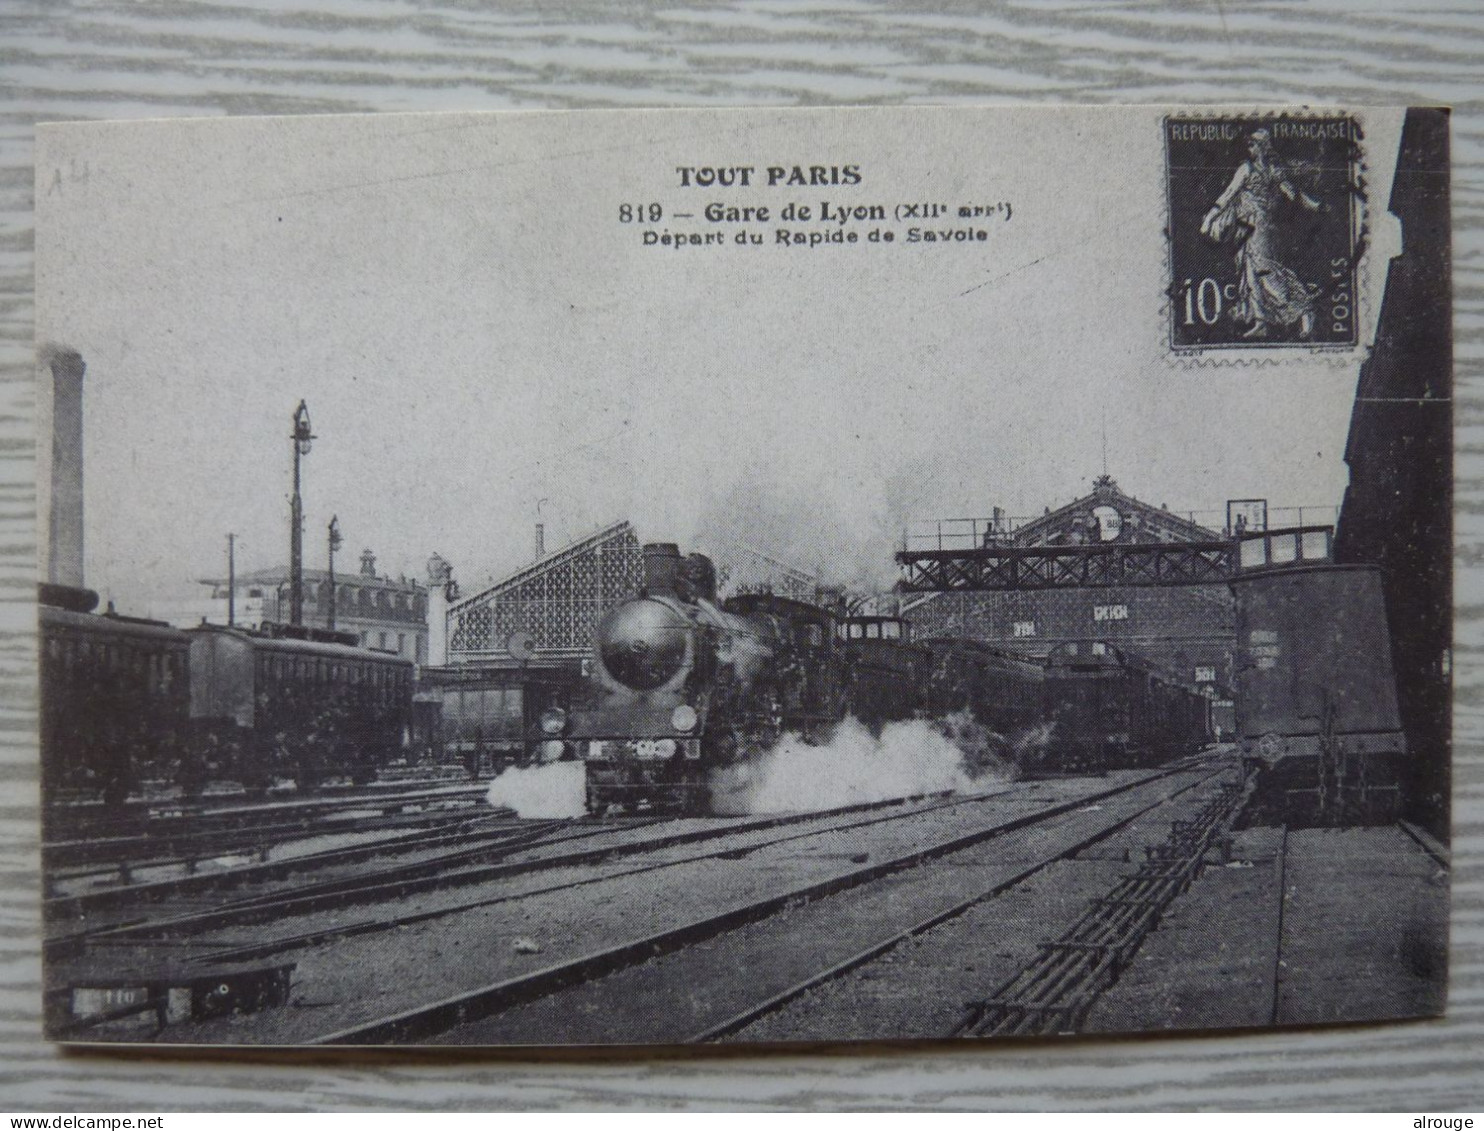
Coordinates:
1269 294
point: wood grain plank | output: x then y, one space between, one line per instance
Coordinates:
171 58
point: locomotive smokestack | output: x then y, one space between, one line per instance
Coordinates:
661 562
59 463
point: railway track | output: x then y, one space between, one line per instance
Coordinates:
217 859
1013 834
166 833
918 921
484 832
1054 992
463 866
905 867
95 815
119 956
161 911
806 938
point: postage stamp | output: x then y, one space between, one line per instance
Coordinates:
1265 231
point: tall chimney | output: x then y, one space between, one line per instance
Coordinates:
540 541
59 466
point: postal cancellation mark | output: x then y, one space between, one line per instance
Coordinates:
1264 231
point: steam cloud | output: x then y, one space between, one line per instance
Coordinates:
852 768
555 789
956 754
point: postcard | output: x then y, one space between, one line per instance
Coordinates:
743 576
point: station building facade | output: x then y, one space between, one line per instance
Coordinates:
1189 631
544 614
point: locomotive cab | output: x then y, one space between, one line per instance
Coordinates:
886 675
891 629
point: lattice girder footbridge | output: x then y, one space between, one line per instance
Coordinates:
1002 568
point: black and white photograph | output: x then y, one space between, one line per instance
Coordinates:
744 577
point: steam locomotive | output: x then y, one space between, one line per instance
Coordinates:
125 700
682 686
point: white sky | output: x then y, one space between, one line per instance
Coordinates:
477 336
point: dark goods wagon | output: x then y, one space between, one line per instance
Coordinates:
1316 696
268 708
1111 709
989 702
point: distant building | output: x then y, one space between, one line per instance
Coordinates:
387 613
1188 630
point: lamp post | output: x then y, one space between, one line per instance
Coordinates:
231 580
334 545
302 436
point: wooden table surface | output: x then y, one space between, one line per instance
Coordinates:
125 59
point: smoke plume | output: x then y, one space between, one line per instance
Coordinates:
762 532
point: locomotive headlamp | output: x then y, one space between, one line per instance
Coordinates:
553 720
665 747
683 718
552 750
